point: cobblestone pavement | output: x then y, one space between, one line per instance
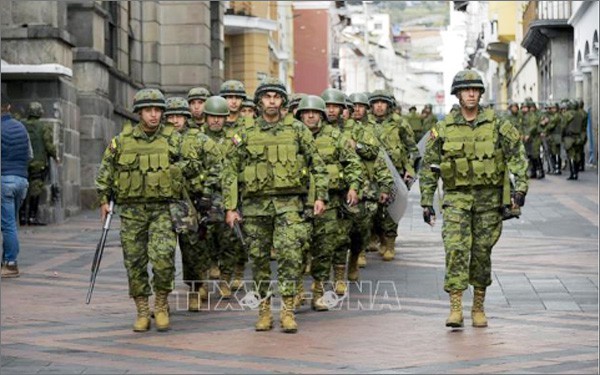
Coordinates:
542 307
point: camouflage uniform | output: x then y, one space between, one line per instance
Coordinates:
471 158
573 133
43 146
428 122
416 123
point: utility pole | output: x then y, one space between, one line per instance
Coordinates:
366 37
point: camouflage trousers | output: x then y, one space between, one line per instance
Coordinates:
383 224
225 248
289 233
468 240
194 257
330 235
362 223
147 236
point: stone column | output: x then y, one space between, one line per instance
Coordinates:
217 45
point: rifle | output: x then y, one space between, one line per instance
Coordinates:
210 210
99 251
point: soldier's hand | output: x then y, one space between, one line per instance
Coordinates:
104 210
384 198
319 207
518 199
429 215
352 143
231 217
352 198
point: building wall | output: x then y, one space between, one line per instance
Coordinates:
311 50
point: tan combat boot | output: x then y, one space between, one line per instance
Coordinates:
142 321
389 248
339 280
477 312
238 275
317 302
265 318
286 317
224 288
362 259
161 311
353 272
214 272
299 297
455 319
273 255
193 298
203 292
373 243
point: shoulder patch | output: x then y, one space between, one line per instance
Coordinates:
236 139
433 134
113 145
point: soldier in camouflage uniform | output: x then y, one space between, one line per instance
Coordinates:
268 169
397 139
196 98
584 123
573 135
554 129
471 150
143 169
345 178
428 119
194 255
416 122
43 146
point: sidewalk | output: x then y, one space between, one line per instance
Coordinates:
542 307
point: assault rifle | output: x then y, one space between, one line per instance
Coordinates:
100 250
211 209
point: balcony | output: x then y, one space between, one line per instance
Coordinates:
543 20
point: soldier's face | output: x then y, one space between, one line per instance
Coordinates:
514 109
271 102
346 113
469 97
178 121
247 112
215 123
234 103
380 108
150 118
310 118
553 109
360 111
333 112
524 110
197 108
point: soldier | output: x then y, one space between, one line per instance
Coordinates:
196 98
144 171
42 142
554 130
416 122
584 126
234 93
573 137
361 107
397 138
194 255
471 151
428 119
248 108
345 179
268 168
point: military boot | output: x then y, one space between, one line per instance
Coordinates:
477 312
224 288
142 321
317 302
353 272
214 273
389 248
273 254
455 319
373 243
161 311
339 280
381 246
265 318
286 317
307 267
203 292
299 297
193 298
362 259
238 275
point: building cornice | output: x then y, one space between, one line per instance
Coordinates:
235 24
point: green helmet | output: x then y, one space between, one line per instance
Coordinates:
271 84
295 100
233 88
573 104
380 95
35 109
359 98
428 106
248 102
216 106
148 98
466 79
334 96
198 93
177 105
313 102
349 104
564 104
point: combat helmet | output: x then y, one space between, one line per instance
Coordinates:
467 79
271 84
177 105
248 102
311 102
216 106
148 98
35 109
295 100
359 98
334 96
198 93
380 95
233 88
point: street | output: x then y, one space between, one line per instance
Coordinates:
542 306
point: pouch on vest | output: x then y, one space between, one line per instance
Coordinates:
447 173
462 172
184 215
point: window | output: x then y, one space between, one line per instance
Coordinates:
110 29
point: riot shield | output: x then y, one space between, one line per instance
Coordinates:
399 194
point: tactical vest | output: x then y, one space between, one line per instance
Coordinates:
388 134
144 171
471 156
192 139
326 142
274 165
